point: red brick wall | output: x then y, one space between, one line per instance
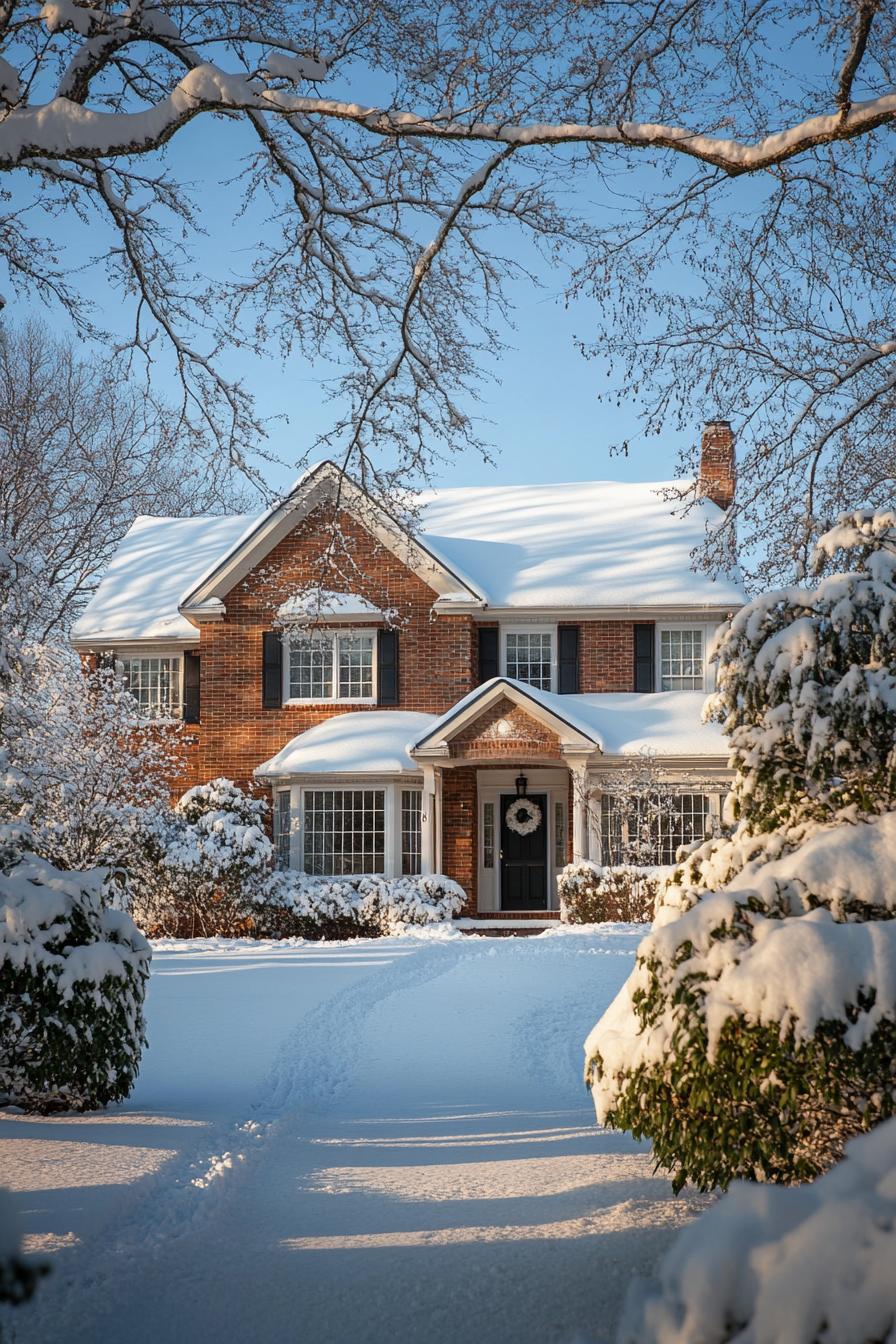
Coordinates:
460 831
523 738
606 656
435 654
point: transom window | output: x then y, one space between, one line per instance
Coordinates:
330 666
528 656
344 831
650 830
681 660
155 683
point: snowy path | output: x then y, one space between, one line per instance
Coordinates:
412 1155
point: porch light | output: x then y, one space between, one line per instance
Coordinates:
521 785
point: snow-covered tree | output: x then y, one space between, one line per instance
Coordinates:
93 766
382 149
72 970
91 450
758 1030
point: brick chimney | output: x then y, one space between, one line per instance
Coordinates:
718 474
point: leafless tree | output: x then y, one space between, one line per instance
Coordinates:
81 455
384 249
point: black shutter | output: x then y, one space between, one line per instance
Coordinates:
191 688
568 659
105 662
488 652
387 667
645 671
272 669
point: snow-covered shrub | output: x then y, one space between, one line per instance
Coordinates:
757 1032
765 1264
590 894
207 862
18 1276
295 905
72 980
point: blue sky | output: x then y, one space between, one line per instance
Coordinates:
546 423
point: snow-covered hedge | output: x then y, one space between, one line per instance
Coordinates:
765 1265
295 905
757 1032
206 864
72 979
591 894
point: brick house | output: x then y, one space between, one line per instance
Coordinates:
398 692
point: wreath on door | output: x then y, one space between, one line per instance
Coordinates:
523 816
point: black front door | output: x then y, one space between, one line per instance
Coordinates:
524 860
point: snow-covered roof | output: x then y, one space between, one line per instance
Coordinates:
326 605
367 742
156 564
618 723
584 545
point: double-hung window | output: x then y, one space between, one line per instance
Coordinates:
344 832
650 829
330 665
529 656
155 683
682 659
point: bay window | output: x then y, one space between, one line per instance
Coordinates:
330 665
344 832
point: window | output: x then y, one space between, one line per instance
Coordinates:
650 830
331 666
488 835
411 800
344 831
559 834
529 657
282 827
681 660
155 683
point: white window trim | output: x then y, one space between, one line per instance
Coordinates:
530 629
708 629
334 635
391 788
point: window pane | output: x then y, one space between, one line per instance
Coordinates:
650 829
529 658
488 835
155 683
344 831
355 667
559 834
411 800
311 667
282 828
681 660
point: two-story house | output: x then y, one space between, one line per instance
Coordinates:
398 692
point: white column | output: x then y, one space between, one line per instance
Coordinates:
428 822
580 827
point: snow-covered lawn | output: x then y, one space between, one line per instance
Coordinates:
369 1141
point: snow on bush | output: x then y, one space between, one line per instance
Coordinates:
72 980
757 1032
18 1276
208 861
295 905
591 894
783 1266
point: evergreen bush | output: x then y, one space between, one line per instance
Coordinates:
590 894
758 1030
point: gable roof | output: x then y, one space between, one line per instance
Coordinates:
616 723
586 546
